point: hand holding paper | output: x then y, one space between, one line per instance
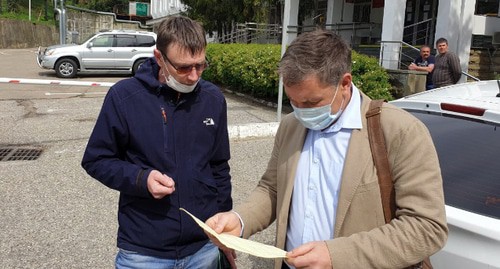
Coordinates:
240 244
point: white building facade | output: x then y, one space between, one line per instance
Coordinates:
414 22
164 8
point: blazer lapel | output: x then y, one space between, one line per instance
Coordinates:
292 145
357 159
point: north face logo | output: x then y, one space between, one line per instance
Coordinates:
208 121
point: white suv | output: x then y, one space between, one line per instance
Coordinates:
116 51
464 122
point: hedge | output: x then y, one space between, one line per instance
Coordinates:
252 69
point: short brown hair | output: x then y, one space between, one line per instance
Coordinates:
183 31
441 40
321 52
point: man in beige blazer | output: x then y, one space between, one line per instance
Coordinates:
316 73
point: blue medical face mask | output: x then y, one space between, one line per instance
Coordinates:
318 118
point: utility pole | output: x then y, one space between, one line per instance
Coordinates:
61 11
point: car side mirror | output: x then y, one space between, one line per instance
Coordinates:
90 45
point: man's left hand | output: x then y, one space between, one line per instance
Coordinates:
310 255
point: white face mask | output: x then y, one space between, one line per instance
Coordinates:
176 85
318 118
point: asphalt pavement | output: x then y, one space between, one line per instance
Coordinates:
52 214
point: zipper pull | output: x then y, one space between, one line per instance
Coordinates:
164 115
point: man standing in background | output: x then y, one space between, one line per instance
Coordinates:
425 62
447 70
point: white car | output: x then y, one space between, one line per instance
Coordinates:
116 51
464 122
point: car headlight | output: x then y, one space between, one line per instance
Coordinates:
50 52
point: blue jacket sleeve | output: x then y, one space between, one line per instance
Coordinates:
219 163
105 157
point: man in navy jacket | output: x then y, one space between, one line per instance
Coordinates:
161 140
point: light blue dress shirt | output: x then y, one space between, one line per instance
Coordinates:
318 177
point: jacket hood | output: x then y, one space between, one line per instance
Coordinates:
148 74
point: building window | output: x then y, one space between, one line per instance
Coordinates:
487 7
361 12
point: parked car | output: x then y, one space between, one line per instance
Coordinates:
116 51
464 122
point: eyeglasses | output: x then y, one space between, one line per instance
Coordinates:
186 69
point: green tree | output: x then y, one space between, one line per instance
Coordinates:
221 15
102 5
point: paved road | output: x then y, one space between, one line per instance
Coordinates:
53 215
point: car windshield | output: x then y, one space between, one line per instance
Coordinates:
87 38
469 155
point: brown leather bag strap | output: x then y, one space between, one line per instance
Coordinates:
381 160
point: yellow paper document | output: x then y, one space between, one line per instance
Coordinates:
240 244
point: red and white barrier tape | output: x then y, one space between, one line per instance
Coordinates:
55 82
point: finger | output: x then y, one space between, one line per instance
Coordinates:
212 221
230 256
301 250
167 181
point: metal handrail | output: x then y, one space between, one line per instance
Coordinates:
249 32
353 27
417 23
470 76
426 32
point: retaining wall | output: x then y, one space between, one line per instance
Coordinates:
16 34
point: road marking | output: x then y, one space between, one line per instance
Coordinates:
72 93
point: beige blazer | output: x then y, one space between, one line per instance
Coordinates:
361 237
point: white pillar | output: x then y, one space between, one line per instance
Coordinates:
392 31
465 35
448 22
334 11
290 17
329 12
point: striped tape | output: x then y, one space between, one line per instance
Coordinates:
55 82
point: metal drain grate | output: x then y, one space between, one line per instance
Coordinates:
19 154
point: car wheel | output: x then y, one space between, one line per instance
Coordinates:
66 68
137 64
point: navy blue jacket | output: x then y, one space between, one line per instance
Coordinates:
144 125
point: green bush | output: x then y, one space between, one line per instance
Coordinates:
252 69
369 77
246 68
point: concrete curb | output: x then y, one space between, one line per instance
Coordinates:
252 130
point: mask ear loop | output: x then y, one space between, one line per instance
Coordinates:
341 104
163 70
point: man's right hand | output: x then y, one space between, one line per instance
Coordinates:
225 222
160 185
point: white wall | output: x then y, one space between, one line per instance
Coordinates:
483 25
392 30
163 8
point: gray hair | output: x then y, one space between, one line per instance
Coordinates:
183 31
321 52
